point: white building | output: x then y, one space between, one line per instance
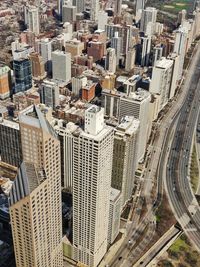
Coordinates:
61 66
175 73
114 215
33 20
180 47
161 80
49 94
78 83
148 20
94 10
69 13
137 105
45 49
102 20
90 156
116 43
111 60
130 59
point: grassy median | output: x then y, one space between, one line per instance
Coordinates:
194 170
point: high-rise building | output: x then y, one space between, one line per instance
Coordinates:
148 20
114 215
78 83
111 60
116 43
137 105
125 158
45 50
90 165
33 20
35 199
175 75
23 74
140 5
38 66
80 5
118 8
146 50
60 58
49 94
111 102
157 53
10 142
180 47
130 59
94 10
102 20
161 80
69 13
5 81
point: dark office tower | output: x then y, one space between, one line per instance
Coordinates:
23 74
10 143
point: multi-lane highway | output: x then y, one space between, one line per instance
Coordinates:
176 170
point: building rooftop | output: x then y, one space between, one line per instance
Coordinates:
10 124
129 125
114 194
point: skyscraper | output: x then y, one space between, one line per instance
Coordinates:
137 105
161 80
125 158
94 10
116 43
37 63
118 8
180 47
146 49
111 60
60 58
35 199
33 20
90 165
23 74
140 4
148 20
49 94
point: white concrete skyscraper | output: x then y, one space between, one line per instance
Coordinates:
161 80
94 10
35 198
89 160
137 105
140 4
33 20
61 66
148 20
180 46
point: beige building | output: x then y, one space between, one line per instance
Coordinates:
35 199
75 47
37 63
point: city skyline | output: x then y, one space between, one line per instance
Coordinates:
99 133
